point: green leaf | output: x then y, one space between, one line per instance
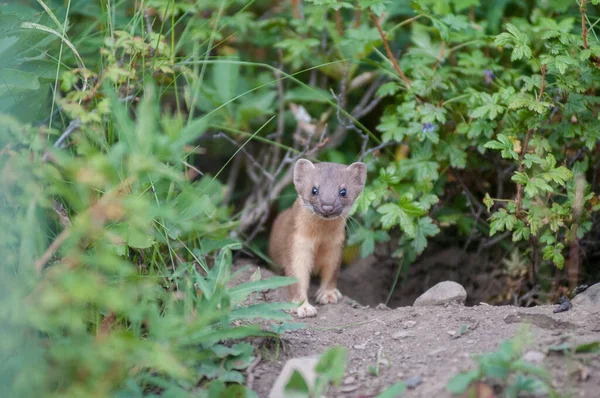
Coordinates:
377 6
504 144
554 253
488 201
594 346
394 215
425 228
240 292
459 383
297 385
393 391
559 175
286 326
225 78
332 364
502 220
270 311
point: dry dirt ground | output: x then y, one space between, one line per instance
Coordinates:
414 343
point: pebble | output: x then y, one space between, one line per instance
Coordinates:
349 388
534 356
409 324
402 334
349 380
413 382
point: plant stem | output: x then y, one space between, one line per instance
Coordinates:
388 50
543 85
583 24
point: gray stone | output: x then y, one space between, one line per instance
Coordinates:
409 324
589 297
402 334
413 382
349 380
304 365
442 293
535 357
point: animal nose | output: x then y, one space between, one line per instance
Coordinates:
327 209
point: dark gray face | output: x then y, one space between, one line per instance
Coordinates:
329 189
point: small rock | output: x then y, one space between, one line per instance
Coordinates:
402 334
409 324
589 297
384 362
362 346
413 382
534 357
377 333
304 365
563 305
451 332
442 293
349 380
349 388
382 306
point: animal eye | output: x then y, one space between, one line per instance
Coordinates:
315 191
343 193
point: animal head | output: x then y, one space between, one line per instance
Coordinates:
329 189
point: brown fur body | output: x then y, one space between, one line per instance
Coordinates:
308 238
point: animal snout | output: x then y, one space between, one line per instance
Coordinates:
327 209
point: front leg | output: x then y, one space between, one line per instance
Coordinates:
329 258
301 267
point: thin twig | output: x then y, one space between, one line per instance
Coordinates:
248 155
584 31
543 84
339 23
71 128
388 50
519 199
192 167
440 56
364 153
250 379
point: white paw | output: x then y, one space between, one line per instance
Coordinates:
306 310
330 296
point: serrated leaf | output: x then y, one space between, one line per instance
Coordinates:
501 220
393 215
425 228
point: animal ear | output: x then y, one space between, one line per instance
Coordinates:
358 174
302 170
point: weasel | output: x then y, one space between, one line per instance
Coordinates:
308 237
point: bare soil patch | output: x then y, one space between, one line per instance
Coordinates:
414 342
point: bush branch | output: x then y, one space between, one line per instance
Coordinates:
584 31
388 50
